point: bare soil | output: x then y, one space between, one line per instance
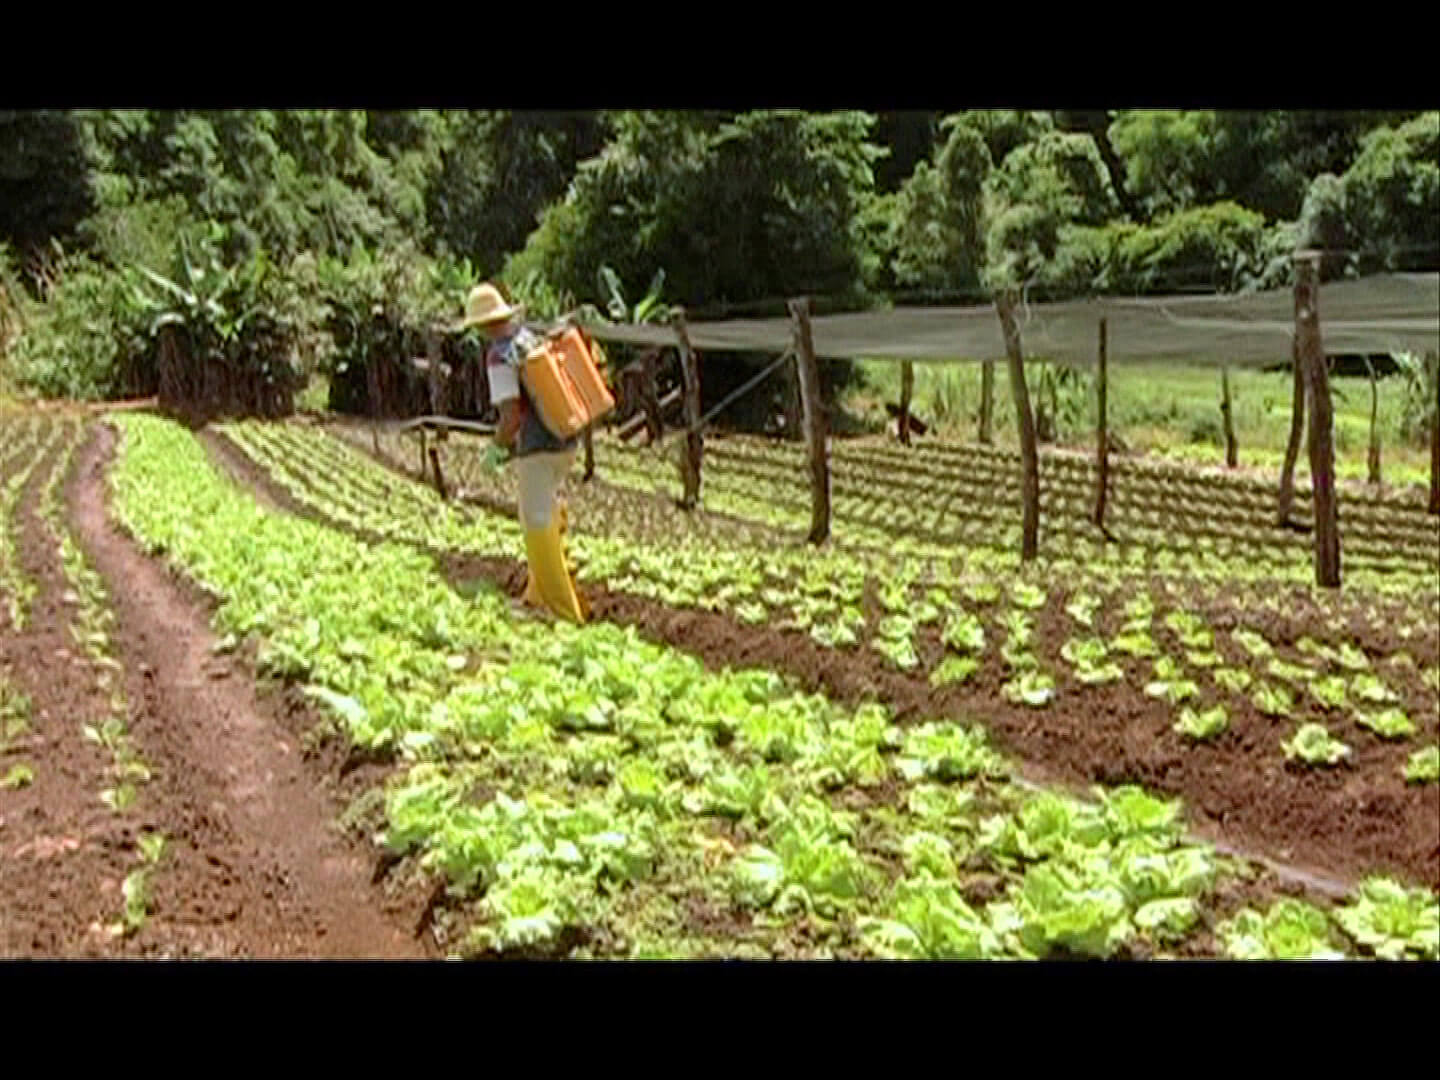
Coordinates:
254 864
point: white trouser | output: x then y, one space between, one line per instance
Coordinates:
540 477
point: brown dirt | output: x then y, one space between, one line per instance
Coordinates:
1329 823
254 865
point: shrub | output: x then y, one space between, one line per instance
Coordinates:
86 340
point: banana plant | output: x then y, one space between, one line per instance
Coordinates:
647 310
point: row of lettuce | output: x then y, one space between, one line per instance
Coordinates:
586 793
1167 643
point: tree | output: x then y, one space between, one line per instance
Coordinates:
756 206
938 229
909 136
1096 124
45 185
1392 197
1263 160
498 171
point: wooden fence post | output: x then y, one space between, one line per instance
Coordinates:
650 395
987 401
440 486
1232 458
1322 445
1297 425
1372 458
813 418
1434 365
433 384
1029 454
694 441
1102 442
907 388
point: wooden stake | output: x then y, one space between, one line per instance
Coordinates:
1372 459
433 387
1102 441
1434 365
439 476
650 395
813 419
1297 425
694 441
422 454
1226 412
1029 454
907 388
1322 417
589 473
987 401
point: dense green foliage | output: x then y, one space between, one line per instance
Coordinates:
372 224
758 206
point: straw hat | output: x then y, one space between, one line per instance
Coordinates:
485 307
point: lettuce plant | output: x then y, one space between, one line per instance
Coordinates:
928 919
1034 688
1368 688
1392 921
1202 725
1290 930
1314 745
945 751
1329 691
1236 680
1082 609
1388 723
1423 766
964 633
1273 700
954 669
1026 595
1252 642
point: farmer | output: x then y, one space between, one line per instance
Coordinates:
542 460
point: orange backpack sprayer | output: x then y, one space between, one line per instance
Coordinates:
565 385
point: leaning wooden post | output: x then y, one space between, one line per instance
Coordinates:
1102 440
1029 455
432 374
440 486
694 441
907 388
650 395
1297 425
1434 365
987 401
1372 458
1322 445
1227 415
813 419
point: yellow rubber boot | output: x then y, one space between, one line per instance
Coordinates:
560 512
549 577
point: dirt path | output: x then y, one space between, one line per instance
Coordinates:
255 864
